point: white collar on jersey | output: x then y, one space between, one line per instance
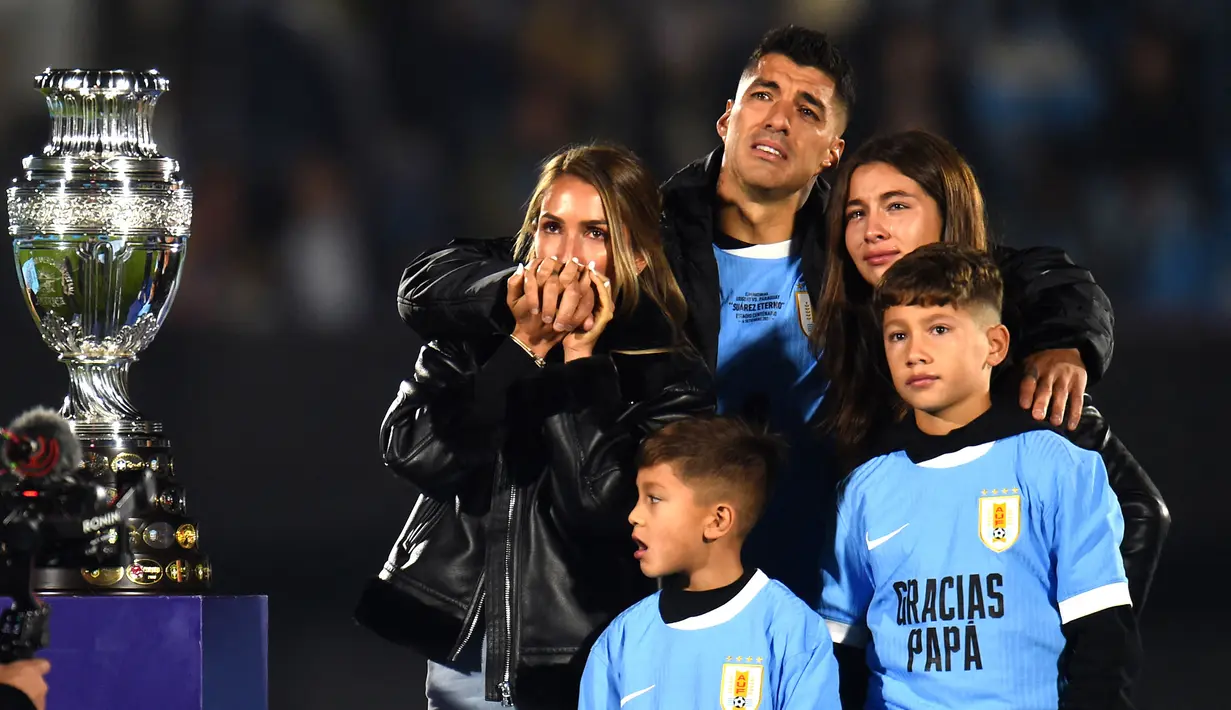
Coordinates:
727 611
777 250
959 457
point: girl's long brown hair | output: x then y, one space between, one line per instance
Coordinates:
861 397
633 204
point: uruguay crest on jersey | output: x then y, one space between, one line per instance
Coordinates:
803 306
741 686
1000 519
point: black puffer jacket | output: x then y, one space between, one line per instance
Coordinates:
521 532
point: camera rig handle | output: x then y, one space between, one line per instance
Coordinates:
24 626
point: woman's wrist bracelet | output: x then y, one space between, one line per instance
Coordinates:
537 360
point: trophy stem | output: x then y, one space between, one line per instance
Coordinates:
98 391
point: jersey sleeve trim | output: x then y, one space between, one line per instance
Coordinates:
1095 600
848 634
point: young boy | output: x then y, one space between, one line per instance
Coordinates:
982 559
716 635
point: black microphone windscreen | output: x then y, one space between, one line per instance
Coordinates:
41 422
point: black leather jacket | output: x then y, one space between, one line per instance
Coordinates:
1146 517
521 532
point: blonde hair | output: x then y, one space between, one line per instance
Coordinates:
632 204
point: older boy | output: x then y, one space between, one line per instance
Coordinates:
982 559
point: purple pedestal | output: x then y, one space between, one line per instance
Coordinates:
158 653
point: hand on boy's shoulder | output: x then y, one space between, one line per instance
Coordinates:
1054 386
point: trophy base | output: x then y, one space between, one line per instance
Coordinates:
144 576
162 541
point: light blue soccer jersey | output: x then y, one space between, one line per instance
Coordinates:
762 649
764 360
764 322
964 568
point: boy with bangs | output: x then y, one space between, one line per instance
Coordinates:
978 565
716 634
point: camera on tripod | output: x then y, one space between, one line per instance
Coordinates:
53 514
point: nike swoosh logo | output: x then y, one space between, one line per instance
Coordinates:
873 544
630 696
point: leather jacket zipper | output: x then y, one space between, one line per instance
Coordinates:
506 686
476 607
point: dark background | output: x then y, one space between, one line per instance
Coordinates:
329 142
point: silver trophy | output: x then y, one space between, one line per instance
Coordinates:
100 224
